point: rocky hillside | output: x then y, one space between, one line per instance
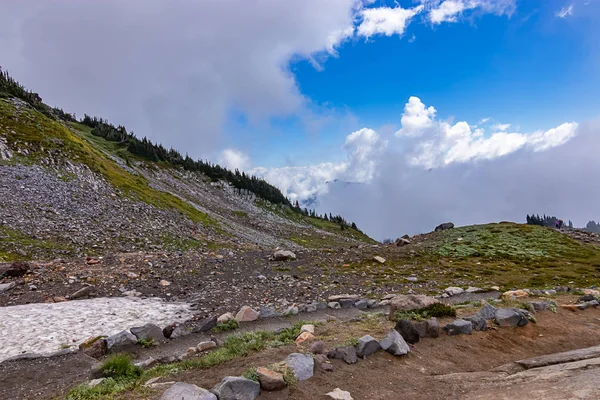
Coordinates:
68 193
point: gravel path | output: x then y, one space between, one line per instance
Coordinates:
48 327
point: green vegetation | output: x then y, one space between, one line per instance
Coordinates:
43 137
148 342
437 310
12 241
123 378
251 374
120 366
230 325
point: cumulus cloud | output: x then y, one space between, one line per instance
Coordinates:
234 159
501 127
416 118
386 20
565 12
450 10
363 148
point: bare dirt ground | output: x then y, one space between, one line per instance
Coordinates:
435 368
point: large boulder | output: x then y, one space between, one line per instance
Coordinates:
247 314
120 341
302 365
367 345
459 327
402 242
478 322
147 332
409 302
236 388
510 317
408 331
283 255
487 311
16 269
205 324
5 287
270 380
346 353
186 391
394 344
444 226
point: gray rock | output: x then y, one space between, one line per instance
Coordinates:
321 305
236 388
408 331
179 330
367 345
119 341
346 353
292 310
346 303
148 331
488 311
317 347
334 305
429 328
400 242
510 317
445 226
585 298
205 325
540 305
302 365
270 380
478 322
588 304
372 303
311 308
453 291
81 293
283 255
394 344
362 304
5 287
267 312
186 391
458 327
147 363
322 362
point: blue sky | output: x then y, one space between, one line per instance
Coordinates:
409 98
531 69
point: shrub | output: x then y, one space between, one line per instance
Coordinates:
230 325
437 310
120 366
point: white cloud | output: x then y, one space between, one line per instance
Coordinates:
484 120
450 10
363 149
501 127
565 12
234 159
385 20
443 143
416 118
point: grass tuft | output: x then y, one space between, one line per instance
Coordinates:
437 310
230 325
120 366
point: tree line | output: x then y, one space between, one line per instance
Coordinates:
148 150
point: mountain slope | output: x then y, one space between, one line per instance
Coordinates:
67 192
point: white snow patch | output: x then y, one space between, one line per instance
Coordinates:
45 327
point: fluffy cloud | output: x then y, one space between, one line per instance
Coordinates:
304 183
416 118
386 21
450 10
565 12
234 159
501 127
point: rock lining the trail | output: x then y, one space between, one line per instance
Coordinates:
47 327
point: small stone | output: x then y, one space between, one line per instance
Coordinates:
401 242
458 327
346 353
95 382
514 294
164 283
81 293
510 317
148 331
339 394
5 287
408 331
346 303
186 391
339 297
59 299
322 363
307 328
283 255
540 305
131 293
321 305
96 348
267 312
478 322
303 337
586 297
334 305
270 380
311 308
362 304
412 279
318 347
120 340
16 269
225 318
147 363
453 291
394 344
379 259
205 324
302 365
292 310
367 345
246 314
207 345
372 303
